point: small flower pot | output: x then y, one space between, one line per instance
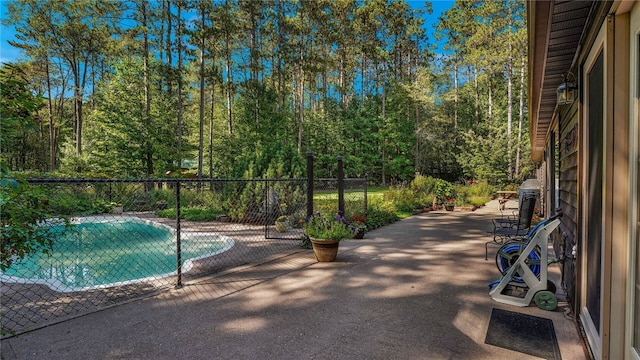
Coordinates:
281 226
449 207
358 234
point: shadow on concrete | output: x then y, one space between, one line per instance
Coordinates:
417 289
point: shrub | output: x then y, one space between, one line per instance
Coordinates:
167 196
476 194
480 188
402 199
405 200
424 184
191 213
379 216
478 200
241 199
68 203
23 227
444 189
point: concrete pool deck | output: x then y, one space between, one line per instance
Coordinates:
416 289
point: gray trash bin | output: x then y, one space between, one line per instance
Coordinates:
530 187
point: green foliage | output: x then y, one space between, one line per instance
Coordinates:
477 200
424 184
511 187
421 192
168 196
477 188
191 213
361 136
24 220
399 134
118 129
328 226
100 206
247 201
262 144
444 190
232 204
191 197
405 200
20 125
70 202
350 78
380 214
476 194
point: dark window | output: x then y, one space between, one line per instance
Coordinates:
595 168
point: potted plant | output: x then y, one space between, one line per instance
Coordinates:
282 224
444 194
325 232
358 225
117 208
449 203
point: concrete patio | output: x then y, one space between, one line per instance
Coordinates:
416 289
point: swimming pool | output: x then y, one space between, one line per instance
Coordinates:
105 252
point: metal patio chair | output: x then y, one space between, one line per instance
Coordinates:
513 228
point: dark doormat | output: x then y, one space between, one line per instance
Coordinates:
523 333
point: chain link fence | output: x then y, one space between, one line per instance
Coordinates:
118 240
353 200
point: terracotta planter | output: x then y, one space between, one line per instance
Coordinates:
325 250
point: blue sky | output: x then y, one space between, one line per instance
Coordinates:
9 54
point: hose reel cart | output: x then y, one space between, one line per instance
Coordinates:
524 267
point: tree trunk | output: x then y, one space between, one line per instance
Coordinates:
363 77
383 114
52 130
147 96
229 80
341 82
161 50
77 106
455 92
301 110
179 50
521 115
227 40
213 107
201 127
490 101
169 52
509 101
477 95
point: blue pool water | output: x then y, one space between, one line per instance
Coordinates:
97 253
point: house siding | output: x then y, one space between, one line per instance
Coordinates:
612 31
565 239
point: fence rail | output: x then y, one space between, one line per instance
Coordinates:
132 238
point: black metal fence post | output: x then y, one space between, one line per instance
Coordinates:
340 184
366 204
267 206
178 241
309 184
